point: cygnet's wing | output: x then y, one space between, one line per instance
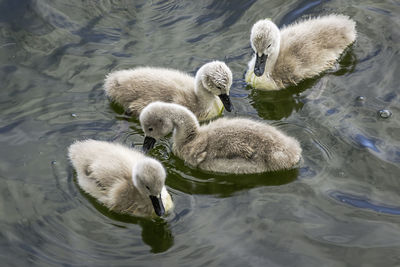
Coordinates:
233 142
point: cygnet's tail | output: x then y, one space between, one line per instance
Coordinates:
288 157
111 84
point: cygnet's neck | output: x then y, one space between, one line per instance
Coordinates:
204 96
185 123
135 179
272 58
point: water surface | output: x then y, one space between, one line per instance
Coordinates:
340 208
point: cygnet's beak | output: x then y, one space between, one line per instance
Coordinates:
259 67
226 101
148 144
157 205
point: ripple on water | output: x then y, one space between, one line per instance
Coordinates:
366 142
316 146
364 203
377 146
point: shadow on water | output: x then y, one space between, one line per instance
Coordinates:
226 185
347 62
122 115
132 127
276 105
156 232
117 108
195 181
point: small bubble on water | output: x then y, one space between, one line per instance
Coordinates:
74 115
360 98
384 113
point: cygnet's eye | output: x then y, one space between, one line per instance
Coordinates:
269 45
148 188
150 129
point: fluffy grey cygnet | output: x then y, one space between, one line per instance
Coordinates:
123 179
225 145
298 51
205 95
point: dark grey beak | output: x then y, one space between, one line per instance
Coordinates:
148 144
157 205
226 101
259 67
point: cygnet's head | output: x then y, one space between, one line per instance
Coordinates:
157 118
148 177
154 120
265 41
216 77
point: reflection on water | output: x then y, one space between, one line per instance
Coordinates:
276 105
194 181
155 232
361 202
339 208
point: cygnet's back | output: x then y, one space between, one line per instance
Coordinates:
110 161
311 46
239 145
135 88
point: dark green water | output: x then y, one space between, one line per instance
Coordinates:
340 208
